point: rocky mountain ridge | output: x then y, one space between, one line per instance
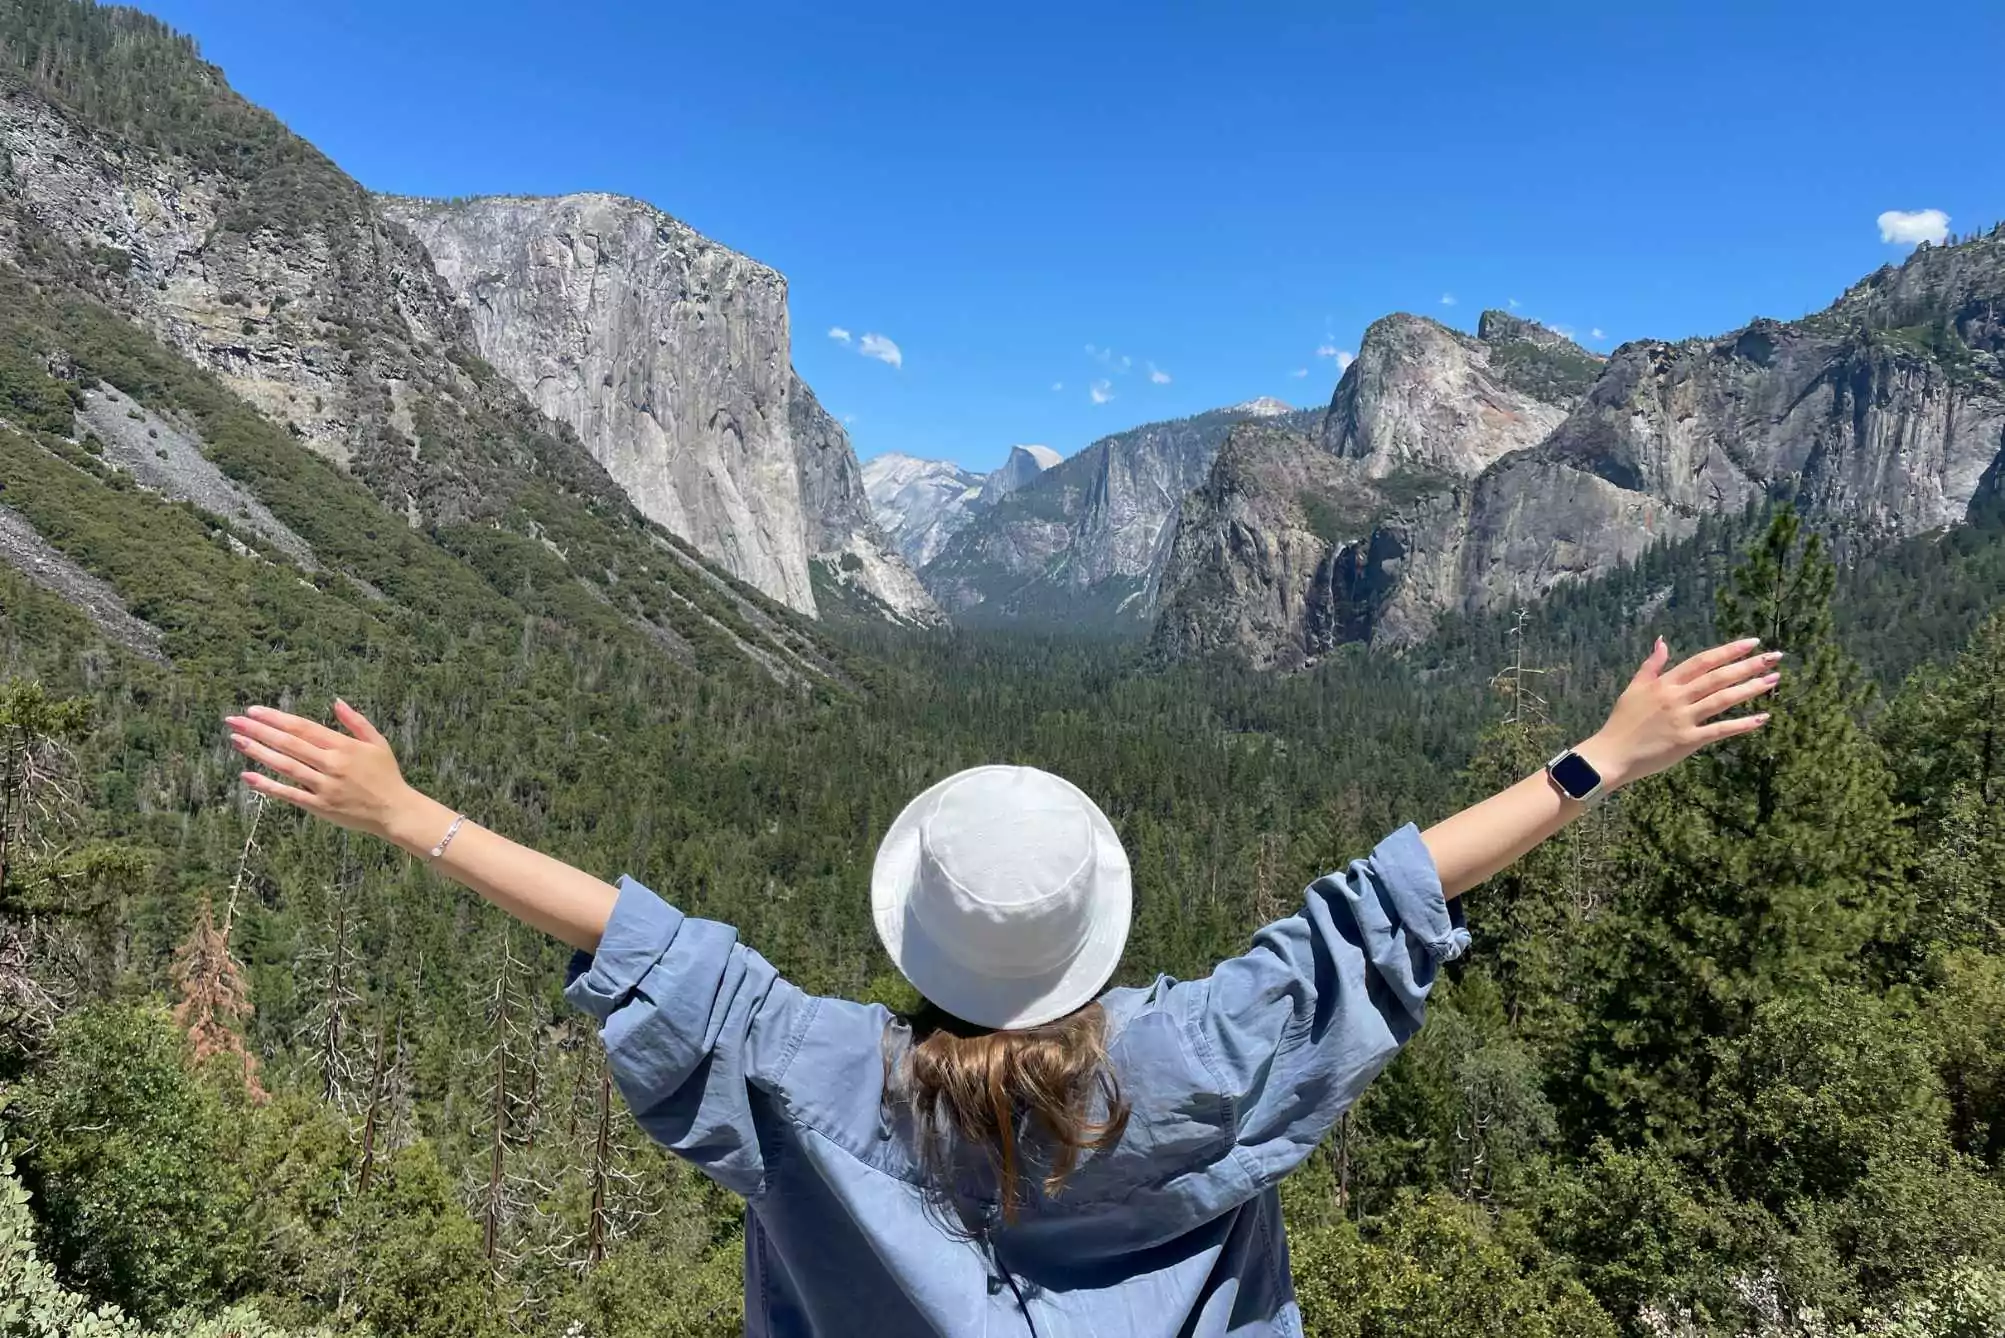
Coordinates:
923 503
290 367
318 305
1431 488
1083 545
669 355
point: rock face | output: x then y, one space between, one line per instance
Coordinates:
1424 398
252 303
920 503
295 293
1025 463
1266 406
1083 545
1883 416
1256 564
851 556
924 503
669 355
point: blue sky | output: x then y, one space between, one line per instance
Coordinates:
1213 191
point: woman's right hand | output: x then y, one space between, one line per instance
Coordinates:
350 779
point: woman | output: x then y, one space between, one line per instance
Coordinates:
1034 1155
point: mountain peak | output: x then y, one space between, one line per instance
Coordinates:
1496 326
1266 406
1043 456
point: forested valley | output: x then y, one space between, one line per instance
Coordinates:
1727 1059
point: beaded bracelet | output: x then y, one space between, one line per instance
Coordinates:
447 839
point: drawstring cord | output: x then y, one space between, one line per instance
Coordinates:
1003 1273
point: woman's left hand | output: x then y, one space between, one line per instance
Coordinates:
1666 715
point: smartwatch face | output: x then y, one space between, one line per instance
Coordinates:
1575 775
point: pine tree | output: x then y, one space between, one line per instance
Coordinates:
329 970
215 999
1761 868
1530 916
38 804
1946 728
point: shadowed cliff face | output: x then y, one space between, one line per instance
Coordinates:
852 557
1083 543
669 355
1494 469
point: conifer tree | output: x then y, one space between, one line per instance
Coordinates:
215 999
1530 915
38 801
1761 868
1946 727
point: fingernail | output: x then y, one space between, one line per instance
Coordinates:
1750 641
1772 679
1772 656
238 741
255 711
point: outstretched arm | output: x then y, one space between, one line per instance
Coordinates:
352 780
1662 718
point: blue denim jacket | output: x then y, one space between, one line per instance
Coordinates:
778 1095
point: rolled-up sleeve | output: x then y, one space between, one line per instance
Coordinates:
699 1030
1294 1029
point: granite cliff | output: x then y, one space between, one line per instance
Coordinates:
923 503
1083 544
1882 416
669 355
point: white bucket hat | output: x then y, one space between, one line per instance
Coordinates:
1003 894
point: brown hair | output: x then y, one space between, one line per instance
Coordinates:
1017 1099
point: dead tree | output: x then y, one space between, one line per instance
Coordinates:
1518 682
331 969
38 805
215 999
512 1185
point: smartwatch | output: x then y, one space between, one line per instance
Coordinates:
1576 777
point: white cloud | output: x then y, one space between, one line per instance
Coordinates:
849 418
1158 375
1299 371
1101 391
1596 333
1107 357
1448 299
878 347
1058 385
1344 360
1909 227
1327 351
838 334
1513 302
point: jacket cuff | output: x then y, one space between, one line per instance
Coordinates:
1409 881
638 933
